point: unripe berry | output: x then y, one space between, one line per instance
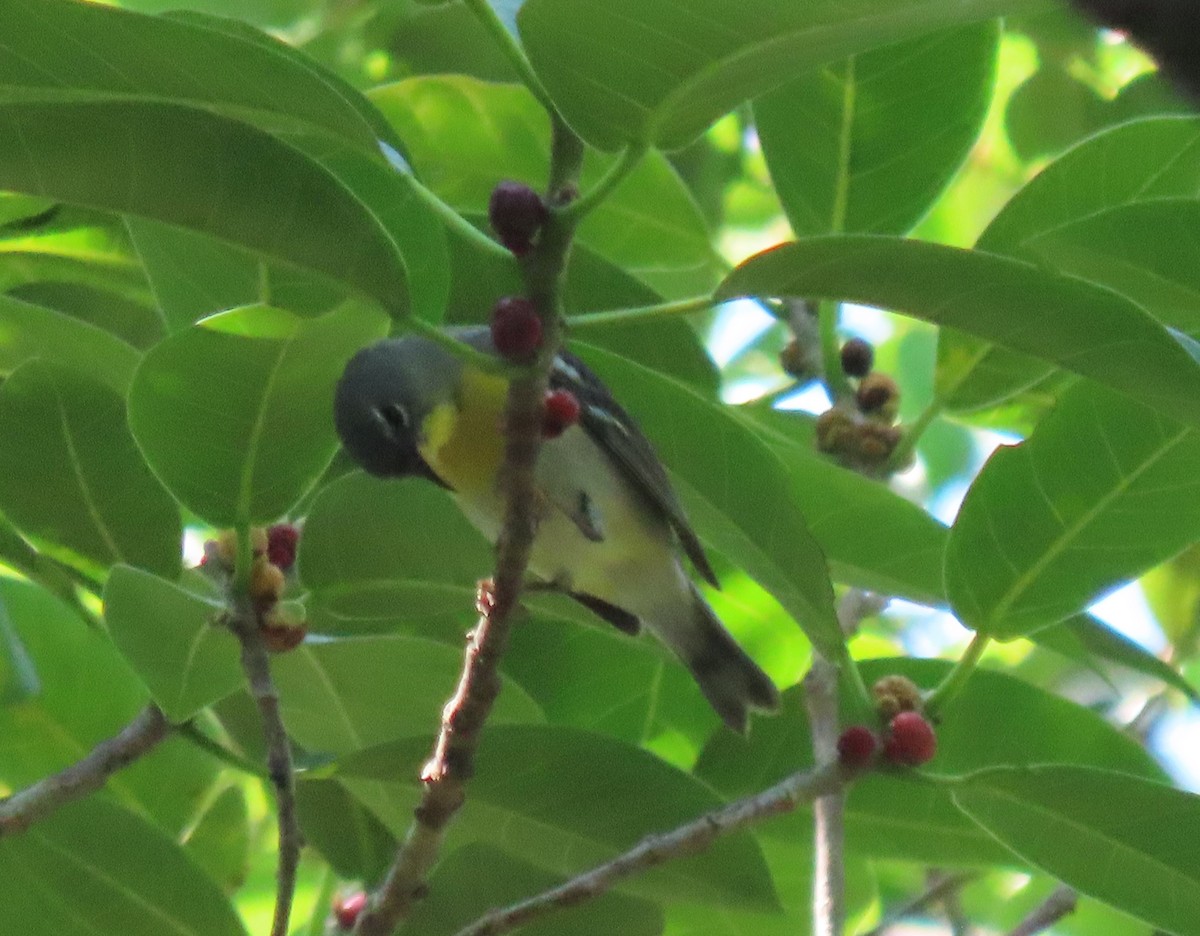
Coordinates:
517 212
560 414
516 328
895 694
856 747
282 539
798 360
833 429
910 740
266 583
346 910
857 358
874 443
879 395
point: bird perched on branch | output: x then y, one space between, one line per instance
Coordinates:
610 529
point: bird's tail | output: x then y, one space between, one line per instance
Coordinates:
729 679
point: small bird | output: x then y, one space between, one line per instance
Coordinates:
609 527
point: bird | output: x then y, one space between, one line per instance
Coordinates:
610 530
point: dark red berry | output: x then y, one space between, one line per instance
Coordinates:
280 638
561 413
516 212
857 746
346 910
858 357
910 740
516 328
282 540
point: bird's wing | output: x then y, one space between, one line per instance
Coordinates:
615 432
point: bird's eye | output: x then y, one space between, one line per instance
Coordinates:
395 416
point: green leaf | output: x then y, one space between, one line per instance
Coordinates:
78 669
1139 161
220 842
354 842
736 490
408 680
459 894
93 868
534 792
1124 840
119 314
194 276
1066 321
627 71
1082 636
206 173
72 479
377 549
1037 540
235 413
873 537
1142 250
889 815
173 640
865 145
650 226
81 52
35 331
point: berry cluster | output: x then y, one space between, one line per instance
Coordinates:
517 213
864 434
282 624
907 740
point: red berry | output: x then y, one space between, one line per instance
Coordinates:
516 212
857 746
282 540
910 740
561 413
347 909
516 328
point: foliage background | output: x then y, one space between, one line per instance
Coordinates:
161 171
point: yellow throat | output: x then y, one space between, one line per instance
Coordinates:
462 440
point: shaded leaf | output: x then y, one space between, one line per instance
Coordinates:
1037 540
865 145
649 226
36 331
1062 320
459 894
72 479
355 843
80 52
534 792
1122 839
344 695
627 71
173 640
235 413
206 173
94 868
220 842
1139 161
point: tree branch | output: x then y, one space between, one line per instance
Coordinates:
829 874
256 664
1060 903
19 811
688 839
939 889
446 774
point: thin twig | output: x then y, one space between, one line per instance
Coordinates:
1061 902
688 839
829 874
446 774
938 890
256 664
19 811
